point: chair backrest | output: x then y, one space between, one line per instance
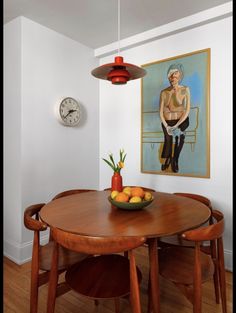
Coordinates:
70 192
144 188
197 197
34 223
96 245
211 232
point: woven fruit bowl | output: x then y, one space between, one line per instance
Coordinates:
130 206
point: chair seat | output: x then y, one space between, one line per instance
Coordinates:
66 257
105 276
177 240
174 258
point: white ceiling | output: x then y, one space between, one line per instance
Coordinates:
94 23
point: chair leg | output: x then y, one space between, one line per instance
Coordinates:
149 295
134 285
216 281
222 274
53 280
34 290
216 272
197 298
34 275
117 305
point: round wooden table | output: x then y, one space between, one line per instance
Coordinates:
92 214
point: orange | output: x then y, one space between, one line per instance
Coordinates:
137 192
122 197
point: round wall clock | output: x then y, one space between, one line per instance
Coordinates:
69 111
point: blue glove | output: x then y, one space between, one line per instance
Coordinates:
176 132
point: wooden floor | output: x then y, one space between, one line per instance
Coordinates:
17 285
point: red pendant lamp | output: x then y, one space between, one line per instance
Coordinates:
118 72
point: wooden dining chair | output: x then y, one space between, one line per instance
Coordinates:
104 276
144 188
177 240
41 257
207 247
66 193
70 192
188 267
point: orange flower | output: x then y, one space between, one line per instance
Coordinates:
119 165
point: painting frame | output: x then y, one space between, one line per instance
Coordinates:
193 155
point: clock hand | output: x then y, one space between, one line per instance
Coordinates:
70 111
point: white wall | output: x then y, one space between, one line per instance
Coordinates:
48 156
120 118
12 138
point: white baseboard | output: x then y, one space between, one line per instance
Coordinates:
21 253
228 260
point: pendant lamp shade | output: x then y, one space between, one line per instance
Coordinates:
118 72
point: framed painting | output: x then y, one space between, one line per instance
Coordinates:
175 128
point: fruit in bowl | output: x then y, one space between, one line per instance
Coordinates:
122 197
148 196
127 190
114 193
131 198
137 192
135 199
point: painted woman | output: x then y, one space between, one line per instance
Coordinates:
174 114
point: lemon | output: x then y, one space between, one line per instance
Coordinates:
135 199
114 193
147 196
127 190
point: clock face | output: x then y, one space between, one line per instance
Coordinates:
70 112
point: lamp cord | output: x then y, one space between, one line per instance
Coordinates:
118 27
